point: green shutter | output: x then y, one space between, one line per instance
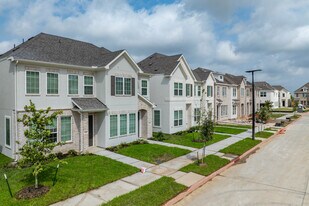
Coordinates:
157 118
7 131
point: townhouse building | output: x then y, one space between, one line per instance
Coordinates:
206 77
102 93
284 96
302 94
175 92
249 100
268 93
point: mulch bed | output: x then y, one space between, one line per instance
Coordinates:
32 192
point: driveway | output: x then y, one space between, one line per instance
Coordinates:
277 174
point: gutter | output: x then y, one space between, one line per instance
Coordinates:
15 122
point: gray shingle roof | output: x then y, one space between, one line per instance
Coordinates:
279 87
56 49
235 79
89 104
201 74
264 86
300 88
159 63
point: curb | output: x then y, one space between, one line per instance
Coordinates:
208 178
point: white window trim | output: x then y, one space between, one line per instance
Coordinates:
71 140
182 89
68 88
129 123
58 130
5 118
127 133
32 94
123 86
156 126
47 84
141 86
118 126
178 118
194 114
93 87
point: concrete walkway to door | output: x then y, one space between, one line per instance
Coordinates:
278 174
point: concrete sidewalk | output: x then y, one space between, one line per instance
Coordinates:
153 172
276 175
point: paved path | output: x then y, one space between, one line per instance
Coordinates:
278 174
153 172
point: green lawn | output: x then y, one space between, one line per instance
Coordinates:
82 173
240 147
236 126
276 115
152 153
229 130
271 129
213 164
153 194
264 134
283 109
187 139
4 160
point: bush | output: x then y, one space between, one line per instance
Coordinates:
193 129
124 144
159 136
72 153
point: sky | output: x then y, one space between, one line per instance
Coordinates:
229 36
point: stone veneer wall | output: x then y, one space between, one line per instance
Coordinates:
74 144
143 106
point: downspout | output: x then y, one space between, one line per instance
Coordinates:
15 121
81 145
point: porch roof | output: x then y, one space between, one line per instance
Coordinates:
88 105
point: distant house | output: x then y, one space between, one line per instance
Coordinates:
175 92
208 88
249 97
302 94
97 90
268 93
284 97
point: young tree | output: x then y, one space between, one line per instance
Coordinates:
268 105
38 145
263 114
206 130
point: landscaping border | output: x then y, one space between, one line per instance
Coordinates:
234 161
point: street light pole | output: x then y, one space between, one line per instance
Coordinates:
253 101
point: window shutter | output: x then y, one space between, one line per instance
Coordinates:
133 86
191 89
113 85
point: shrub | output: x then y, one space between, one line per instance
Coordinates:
159 136
72 153
193 129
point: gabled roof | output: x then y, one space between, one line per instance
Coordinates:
55 49
226 79
159 64
201 74
279 87
89 105
235 79
300 88
264 86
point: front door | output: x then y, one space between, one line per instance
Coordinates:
90 130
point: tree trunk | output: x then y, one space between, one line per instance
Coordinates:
36 181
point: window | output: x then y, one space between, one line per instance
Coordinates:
242 92
123 124
52 83
223 110
234 92
73 84
189 90
7 131
223 91
127 86
283 94
32 82
218 91
248 92
157 118
132 123
144 88
123 86
234 109
209 91
197 114
88 85
177 89
53 131
262 94
113 125
199 91
178 118
66 129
